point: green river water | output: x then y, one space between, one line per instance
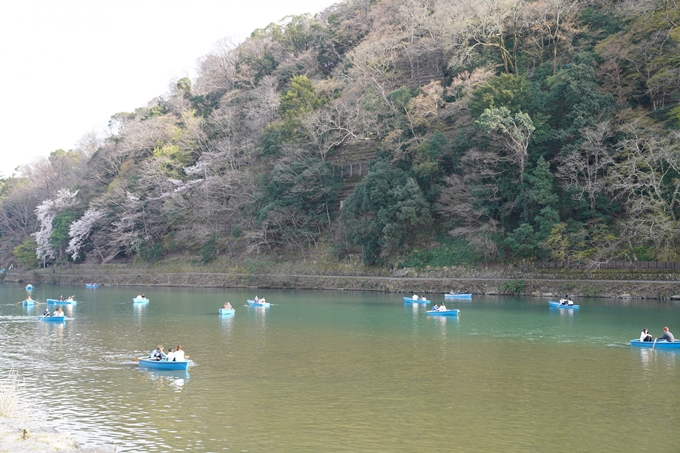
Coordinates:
333 371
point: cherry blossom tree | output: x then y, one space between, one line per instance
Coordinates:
80 230
45 213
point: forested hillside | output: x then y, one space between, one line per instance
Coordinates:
496 131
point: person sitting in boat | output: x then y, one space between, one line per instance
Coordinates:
256 299
157 354
442 307
46 313
645 336
415 297
139 296
143 296
179 354
667 335
61 297
28 298
58 312
171 355
69 299
423 298
435 308
227 306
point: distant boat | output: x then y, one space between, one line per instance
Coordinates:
61 302
410 300
458 296
443 312
140 300
252 303
91 285
227 311
51 318
662 344
29 287
554 304
163 364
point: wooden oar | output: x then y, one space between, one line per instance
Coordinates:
654 344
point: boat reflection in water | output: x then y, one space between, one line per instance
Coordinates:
163 378
227 323
139 310
650 358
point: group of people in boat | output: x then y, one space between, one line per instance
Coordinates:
259 301
415 297
667 336
140 296
458 292
441 307
227 306
173 355
57 312
68 299
565 301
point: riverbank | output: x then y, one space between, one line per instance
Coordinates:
21 436
23 428
352 276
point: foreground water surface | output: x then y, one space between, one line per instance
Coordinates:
347 371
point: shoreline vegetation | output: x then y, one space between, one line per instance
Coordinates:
320 274
23 427
385 134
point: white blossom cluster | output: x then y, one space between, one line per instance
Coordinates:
46 212
80 230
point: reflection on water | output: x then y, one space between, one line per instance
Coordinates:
139 310
566 312
227 324
346 371
163 378
655 360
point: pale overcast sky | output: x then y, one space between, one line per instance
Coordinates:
68 65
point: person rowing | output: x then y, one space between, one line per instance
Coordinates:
667 335
46 313
157 354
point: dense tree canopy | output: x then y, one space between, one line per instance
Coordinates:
519 129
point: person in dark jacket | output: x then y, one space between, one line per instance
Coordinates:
667 335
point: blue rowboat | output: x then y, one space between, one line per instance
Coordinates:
458 296
29 287
140 300
145 362
61 302
52 318
443 312
408 300
29 302
252 303
660 344
559 305
91 285
227 311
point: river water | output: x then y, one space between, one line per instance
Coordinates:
340 371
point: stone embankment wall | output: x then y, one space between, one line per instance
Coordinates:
611 284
